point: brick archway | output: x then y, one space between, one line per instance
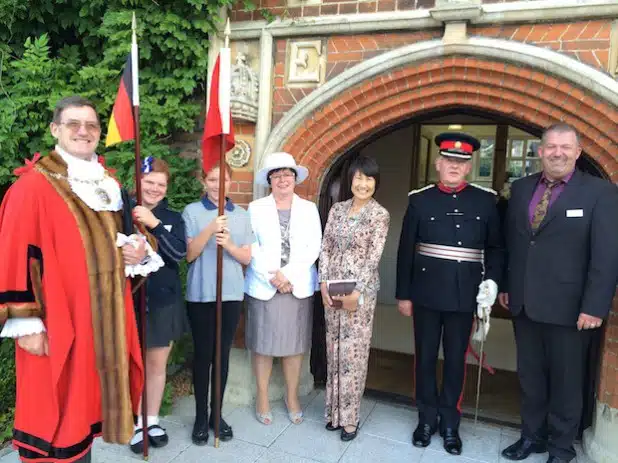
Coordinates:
521 93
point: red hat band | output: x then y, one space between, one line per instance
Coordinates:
458 145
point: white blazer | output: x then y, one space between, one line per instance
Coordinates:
305 243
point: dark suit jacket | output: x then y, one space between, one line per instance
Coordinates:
468 219
570 264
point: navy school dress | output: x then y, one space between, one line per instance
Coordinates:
166 316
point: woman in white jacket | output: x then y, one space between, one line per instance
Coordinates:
281 280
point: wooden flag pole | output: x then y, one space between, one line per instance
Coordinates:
219 308
219 297
138 198
142 288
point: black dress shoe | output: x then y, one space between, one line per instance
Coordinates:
452 441
157 441
329 427
348 436
225 430
199 436
522 449
422 435
553 459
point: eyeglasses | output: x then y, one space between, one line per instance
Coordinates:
282 175
74 126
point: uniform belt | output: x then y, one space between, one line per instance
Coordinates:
450 252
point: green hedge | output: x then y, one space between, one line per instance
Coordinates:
7 378
7 388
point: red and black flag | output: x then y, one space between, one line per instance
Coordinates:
122 123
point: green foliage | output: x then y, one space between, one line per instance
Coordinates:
7 389
167 402
7 381
6 425
182 352
53 48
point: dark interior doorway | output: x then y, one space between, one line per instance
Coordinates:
391 373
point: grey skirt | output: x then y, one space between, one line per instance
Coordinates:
279 327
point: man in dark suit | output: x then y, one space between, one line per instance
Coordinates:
562 243
449 260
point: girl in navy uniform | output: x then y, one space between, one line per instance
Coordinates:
165 319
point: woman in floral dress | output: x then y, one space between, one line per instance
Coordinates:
353 242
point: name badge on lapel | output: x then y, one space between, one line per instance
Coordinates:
575 213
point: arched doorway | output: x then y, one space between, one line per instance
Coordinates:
523 84
405 154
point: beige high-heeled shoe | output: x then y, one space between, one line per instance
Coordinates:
264 418
295 417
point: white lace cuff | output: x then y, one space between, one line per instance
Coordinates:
151 263
22 326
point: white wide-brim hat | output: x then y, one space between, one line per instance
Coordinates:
280 160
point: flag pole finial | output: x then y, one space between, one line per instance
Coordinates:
227 32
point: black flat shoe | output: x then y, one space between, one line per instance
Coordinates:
157 441
225 430
138 447
452 441
422 435
199 436
522 449
329 427
348 436
552 459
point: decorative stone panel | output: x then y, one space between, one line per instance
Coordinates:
306 63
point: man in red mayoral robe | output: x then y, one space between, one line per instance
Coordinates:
65 297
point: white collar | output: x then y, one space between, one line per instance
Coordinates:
80 168
91 183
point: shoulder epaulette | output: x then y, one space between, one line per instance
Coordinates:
421 189
484 188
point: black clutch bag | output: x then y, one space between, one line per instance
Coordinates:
340 288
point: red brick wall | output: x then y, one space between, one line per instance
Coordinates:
330 7
241 189
525 94
342 52
586 41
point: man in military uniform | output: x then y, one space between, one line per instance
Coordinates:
450 258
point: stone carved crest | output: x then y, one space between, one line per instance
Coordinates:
305 62
239 156
245 88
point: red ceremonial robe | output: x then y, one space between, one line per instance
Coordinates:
60 263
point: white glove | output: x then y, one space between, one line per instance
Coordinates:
483 312
486 297
481 327
488 292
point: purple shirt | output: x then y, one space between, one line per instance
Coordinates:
540 189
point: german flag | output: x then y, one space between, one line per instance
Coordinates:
121 123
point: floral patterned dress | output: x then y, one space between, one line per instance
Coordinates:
351 249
